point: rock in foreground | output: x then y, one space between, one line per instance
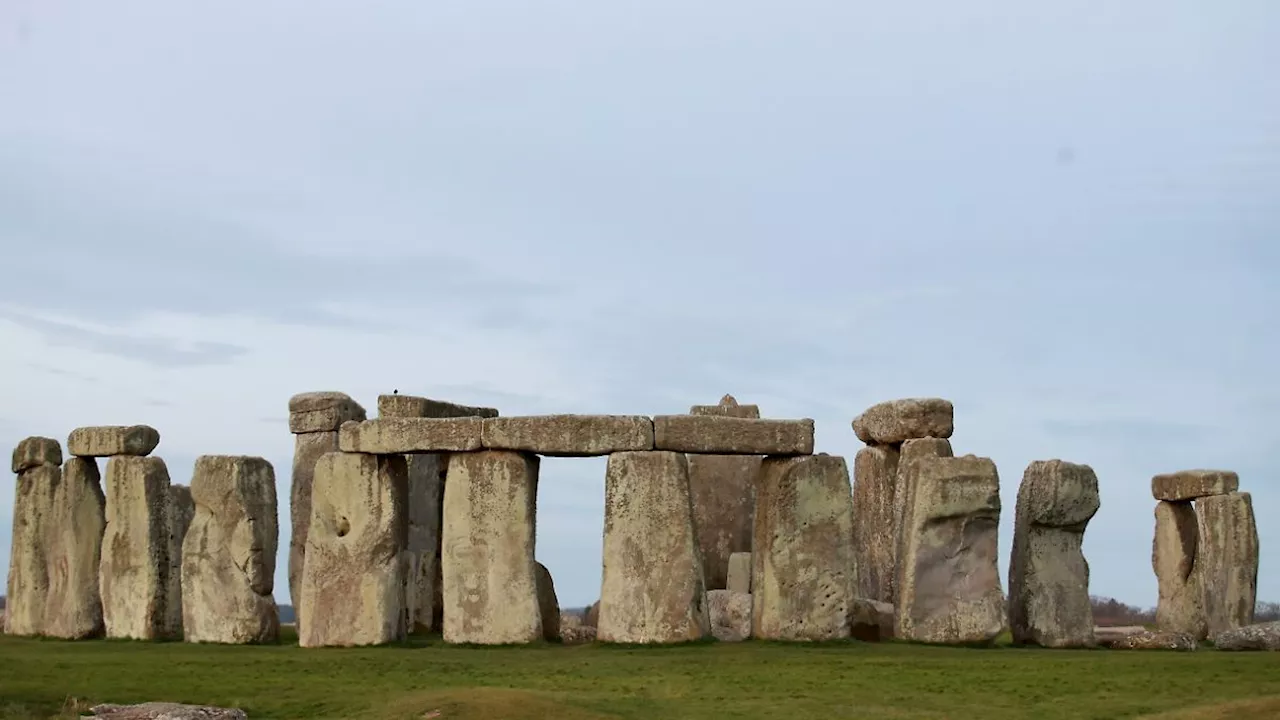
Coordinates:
1263 636
165 711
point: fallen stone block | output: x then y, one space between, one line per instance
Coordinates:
897 421
802 571
728 407
307 449
35 451
577 634
393 436
1173 557
134 574
1262 636
730 615
73 605
871 620
548 603
110 441
875 527
353 578
951 530
229 553
322 412
1048 574
1227 560
28 582
569 435
724 499
1149 640
1192 484
420 407
490 578
652 590
739 579
165 711
732 436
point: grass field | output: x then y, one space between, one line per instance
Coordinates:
749 680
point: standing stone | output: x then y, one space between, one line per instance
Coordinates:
1048 574
548 603
1227 559
490 578
652 590
803 573
1173 557
353 577
875 528
740 572
73 607
951 532
911 454
314 418
35 451
229 553
134 573
723 488
28 582
730 614
181 509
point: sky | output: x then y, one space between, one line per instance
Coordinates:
1063 217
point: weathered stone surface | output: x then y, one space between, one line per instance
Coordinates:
28 559
36 451
548 603
181 511
871 621
569 435
1263 636
1048 574
1192 484
422 554
420 407
134 575
1227 560
730 614
875 526
229 552
353 577
490 578
739 579
951 530
1108 634
897 421
73 605
1148 640
728 407
307 449
1173 557
165 711
322 412
653 587
732 436
388 436
109 441
803 572
723 490
576 633
591 617
912 453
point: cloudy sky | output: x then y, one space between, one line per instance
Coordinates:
1064 217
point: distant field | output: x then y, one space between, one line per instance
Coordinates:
750 680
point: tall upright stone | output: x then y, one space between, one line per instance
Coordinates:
875 526
910 455
652 589
1227 558
134 574
803 575
1173 557
314 419
426 478
353 577
1048 574
36 460
73 606
181 510
951 530
229 552
490 580
723 489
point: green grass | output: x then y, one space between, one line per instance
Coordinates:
45 678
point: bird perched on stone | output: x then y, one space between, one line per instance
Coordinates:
395 392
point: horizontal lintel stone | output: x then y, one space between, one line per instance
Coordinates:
110 440
412 406
391 436
732 436
569 435
1192 484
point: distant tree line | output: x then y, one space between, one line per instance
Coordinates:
1109 612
